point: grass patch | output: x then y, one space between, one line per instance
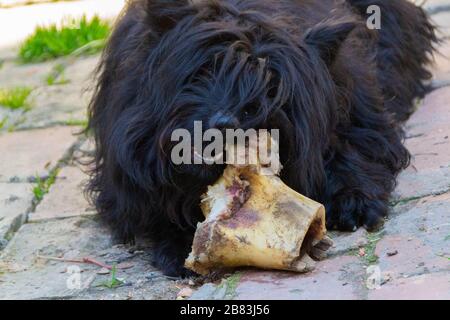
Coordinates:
42 186
404 201
3 122
61 40
5 125
369 256
15 98
113 282
230 284
56 76
77 123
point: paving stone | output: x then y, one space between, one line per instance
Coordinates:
337 278
429 143
56 104
23 275
427 218
15 202
402 256
81 70
78 71
9 118
13 74
343 242
65 197
441 81
421 287
33 152
208 291
62 104
419 231
442 21
414 251
441 66
436 6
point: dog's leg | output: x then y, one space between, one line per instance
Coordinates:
357 192
362 172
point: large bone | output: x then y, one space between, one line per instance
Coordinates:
256 220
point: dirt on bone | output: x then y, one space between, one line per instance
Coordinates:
241 193
256 220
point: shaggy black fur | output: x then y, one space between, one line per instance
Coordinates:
337 91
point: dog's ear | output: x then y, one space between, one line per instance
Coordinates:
163 15
327 37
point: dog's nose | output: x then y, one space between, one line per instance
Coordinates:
222 121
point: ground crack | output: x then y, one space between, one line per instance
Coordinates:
400 202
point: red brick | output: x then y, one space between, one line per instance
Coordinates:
441 65
65 197
338 279
413 257
422 287
33 152
429 143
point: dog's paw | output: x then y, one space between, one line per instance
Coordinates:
373 217
178 271
173 268
169 258
349 213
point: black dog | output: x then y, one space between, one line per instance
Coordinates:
337 91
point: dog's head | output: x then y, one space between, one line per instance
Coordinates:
234 64
228 64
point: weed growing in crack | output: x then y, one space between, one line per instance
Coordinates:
367 252
3 122
56 76
15 98
42 186
370 257
113 282
77 123
230 284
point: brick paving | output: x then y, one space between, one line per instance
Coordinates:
408 259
